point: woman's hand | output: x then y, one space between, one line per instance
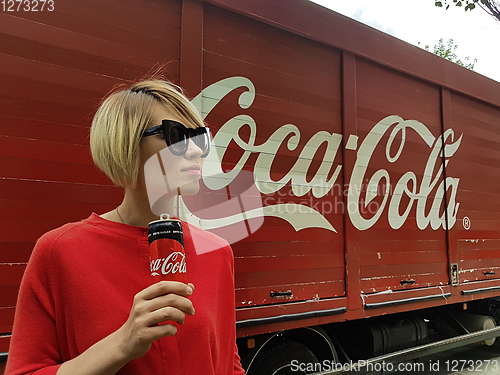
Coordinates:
165 301
161 302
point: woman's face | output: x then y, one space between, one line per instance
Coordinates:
163 172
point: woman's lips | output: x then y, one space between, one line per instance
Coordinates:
194 169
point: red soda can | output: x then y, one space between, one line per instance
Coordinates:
167 258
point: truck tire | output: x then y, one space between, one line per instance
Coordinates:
278 360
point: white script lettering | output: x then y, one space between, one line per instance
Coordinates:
440 149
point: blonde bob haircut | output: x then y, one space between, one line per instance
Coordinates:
121 119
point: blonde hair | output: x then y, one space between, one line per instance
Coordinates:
121 119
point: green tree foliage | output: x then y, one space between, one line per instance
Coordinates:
447 51
492 7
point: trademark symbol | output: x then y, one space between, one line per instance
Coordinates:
466 223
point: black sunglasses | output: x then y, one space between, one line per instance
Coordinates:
177 137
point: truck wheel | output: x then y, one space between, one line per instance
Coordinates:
288 358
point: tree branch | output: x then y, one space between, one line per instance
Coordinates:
492 7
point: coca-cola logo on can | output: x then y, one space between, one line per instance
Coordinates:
174 263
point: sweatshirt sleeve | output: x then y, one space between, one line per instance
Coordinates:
238 369
34 347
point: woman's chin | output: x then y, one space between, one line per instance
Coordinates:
191 188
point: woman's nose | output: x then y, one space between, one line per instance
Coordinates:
193 151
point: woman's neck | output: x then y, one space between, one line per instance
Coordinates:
135 208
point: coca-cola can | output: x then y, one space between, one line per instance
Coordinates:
167 258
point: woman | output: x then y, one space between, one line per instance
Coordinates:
86 303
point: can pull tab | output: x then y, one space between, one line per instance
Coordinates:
165 216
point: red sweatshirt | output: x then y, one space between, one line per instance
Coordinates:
79 287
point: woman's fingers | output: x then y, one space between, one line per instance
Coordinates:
164 301
181 303
160 331
165 314
166 287
164 294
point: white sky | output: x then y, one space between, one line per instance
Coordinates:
476 33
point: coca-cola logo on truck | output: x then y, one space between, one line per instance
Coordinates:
407 192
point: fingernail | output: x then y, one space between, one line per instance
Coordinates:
189 290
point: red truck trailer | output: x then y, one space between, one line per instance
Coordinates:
374 164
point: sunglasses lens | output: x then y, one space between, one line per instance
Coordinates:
176 139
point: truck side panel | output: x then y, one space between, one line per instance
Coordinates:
312 263
476 237
398 248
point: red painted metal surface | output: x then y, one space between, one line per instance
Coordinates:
322 73
477 237
54 69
